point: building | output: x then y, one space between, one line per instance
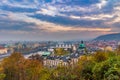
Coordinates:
3 50
74 48
82 48
64 45
82 45
68 60
41 53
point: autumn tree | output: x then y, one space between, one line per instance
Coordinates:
2 75
60 51
118 50
36 57
10 66
100 56
16 67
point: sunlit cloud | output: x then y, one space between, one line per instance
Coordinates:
93 17
101 4
51 26
55 18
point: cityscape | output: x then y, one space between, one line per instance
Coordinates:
52 51
60 40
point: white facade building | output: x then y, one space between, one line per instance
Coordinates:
3 50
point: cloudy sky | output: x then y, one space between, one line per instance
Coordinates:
58 19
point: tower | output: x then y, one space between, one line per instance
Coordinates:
82 47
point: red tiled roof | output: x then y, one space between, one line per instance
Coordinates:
2 47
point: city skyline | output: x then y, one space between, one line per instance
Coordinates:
58 19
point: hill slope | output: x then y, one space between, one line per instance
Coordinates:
115 36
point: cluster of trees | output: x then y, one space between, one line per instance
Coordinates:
60 51
99 66
16 67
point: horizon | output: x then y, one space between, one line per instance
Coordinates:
58 20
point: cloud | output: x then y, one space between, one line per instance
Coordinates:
93 17
54 18
51 12
21 4
43 25
101 4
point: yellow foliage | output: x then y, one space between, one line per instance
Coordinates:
16 67
60 51
100 56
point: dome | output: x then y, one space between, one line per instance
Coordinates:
82 46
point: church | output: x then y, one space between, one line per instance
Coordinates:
81 48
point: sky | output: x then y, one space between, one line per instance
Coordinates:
40 20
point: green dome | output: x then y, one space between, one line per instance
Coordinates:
82 46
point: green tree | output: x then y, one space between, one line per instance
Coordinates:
100 56
46 74
84 68
108 70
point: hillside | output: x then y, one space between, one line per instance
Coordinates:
115 36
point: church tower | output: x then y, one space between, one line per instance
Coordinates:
82 47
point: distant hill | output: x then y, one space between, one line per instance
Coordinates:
115 36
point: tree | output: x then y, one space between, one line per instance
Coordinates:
36 57
10 65
63 73
84 68
2 75
46 74
118 50
33 69
60 51
16 67
100 56
107 70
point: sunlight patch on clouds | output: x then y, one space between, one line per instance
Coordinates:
117 8
93 17
101 4
66 28
47 12
60 10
